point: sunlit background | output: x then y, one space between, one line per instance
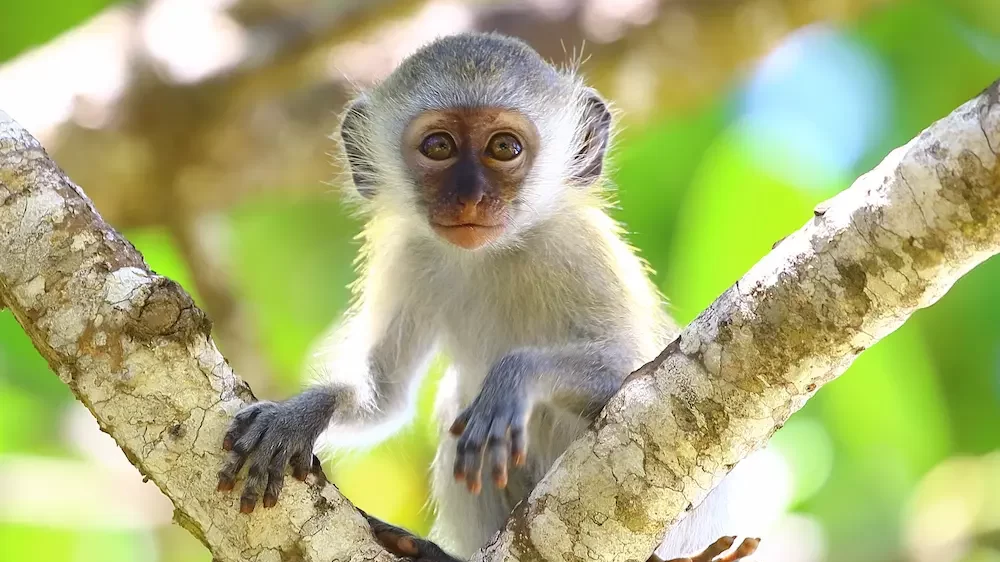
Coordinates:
199 128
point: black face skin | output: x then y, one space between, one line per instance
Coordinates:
468 165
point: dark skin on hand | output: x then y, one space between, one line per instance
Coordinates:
302 468
498 448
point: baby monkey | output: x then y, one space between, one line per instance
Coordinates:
481 167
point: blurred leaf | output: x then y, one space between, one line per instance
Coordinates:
651 170
963 335
888 407
163 256
733 214
293 262
808 450
46 544
21 363
931 75
24 542
402 460
390 481
31 395
23 423
25 24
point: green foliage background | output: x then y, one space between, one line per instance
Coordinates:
703 205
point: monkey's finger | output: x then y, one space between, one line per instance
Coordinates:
464 459
472 446
227 476
250 439
499 448
714 549
241 421
275 478
474 464
746 548
256 480
241 451
301 465
465 443
317 471
394 539
518 445
458 426
400 545
498 454
459 469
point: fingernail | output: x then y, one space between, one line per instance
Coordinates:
407 545
224 486
227 445
270 500
246 506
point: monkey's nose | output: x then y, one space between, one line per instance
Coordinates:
470 197
469 212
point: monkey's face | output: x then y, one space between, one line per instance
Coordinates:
468 166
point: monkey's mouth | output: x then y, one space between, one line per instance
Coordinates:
468 235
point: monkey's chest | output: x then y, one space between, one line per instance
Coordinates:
488 329
478 331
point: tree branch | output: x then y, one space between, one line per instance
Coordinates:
894 242
136 351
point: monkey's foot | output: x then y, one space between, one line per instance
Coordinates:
405 544
714 553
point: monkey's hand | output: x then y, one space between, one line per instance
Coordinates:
495 420
716 552
271 436
405 544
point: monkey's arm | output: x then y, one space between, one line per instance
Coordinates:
272 435
579 378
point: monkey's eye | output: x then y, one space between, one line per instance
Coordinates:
503 147
438 146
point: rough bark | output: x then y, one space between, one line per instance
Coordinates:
894 242
137 352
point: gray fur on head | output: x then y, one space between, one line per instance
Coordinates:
478 70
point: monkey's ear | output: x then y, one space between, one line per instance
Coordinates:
353 137
589 161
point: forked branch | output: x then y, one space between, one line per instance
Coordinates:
135 349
